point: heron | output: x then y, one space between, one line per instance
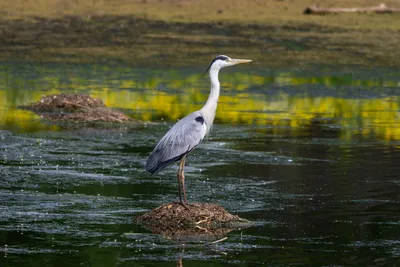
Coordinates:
189 131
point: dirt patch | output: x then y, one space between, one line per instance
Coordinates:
76 108
201 220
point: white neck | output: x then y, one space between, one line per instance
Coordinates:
209 109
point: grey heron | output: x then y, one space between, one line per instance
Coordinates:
189 131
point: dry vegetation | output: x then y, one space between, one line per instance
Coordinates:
273 32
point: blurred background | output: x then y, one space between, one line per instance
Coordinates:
305 142
79 46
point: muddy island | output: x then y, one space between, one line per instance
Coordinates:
200 220
76 109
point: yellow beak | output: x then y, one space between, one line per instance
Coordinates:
240 61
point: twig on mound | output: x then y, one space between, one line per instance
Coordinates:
75 105
202 221
219 240
382 8
203 229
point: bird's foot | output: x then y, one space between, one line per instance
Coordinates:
184 204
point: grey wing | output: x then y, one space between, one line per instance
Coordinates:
182 138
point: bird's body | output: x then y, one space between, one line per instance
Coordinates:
182 138
188 132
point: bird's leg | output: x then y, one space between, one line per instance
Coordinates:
179 182
183 178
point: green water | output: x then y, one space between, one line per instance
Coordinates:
311 156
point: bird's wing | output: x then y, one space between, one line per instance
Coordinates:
182 138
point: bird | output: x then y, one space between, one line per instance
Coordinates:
189 131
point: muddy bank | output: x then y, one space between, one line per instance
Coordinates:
139 41
76 109
200 220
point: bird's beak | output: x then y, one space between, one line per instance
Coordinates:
240 61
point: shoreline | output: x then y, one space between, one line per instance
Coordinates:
282 37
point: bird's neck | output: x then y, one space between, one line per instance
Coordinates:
209 109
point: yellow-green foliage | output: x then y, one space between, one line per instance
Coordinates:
365 116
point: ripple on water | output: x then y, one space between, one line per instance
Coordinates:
77 191
39 212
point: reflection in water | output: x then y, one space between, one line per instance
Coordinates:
358 104
179 262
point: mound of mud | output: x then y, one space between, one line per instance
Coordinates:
76 108
201 220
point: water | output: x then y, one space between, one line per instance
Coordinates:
311 156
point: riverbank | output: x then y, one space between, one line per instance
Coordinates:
148 32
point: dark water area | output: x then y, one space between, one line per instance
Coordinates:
310 156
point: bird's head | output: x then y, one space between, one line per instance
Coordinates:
223 61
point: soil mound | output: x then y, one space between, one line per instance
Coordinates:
201 220
76 108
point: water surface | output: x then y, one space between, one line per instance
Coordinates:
311 156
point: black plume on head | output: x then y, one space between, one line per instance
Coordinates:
221 57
